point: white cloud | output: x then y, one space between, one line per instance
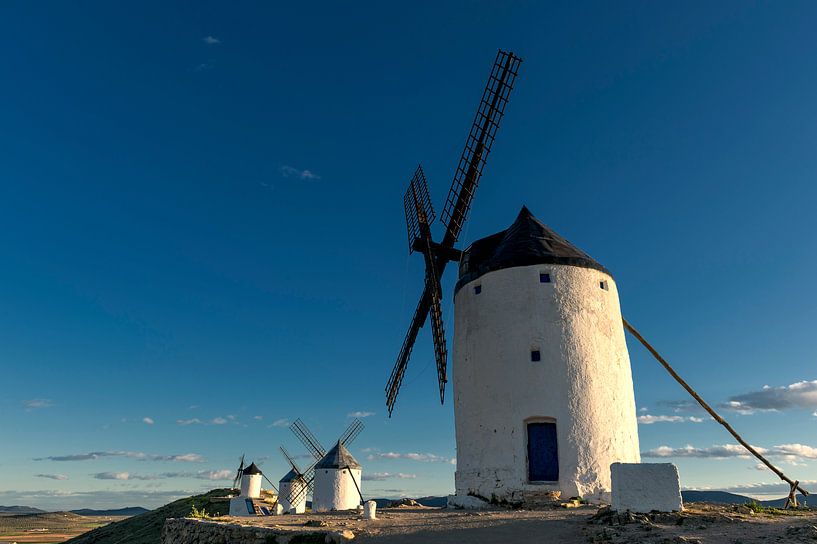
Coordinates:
193 421
648 419
215 421
186 457
112 476
423 457
283 422
360 414
258 418
52 476
148 420
290 172
223 474
780 488
681 406
788 452
797 395
37 404
211 475
382 476
211 40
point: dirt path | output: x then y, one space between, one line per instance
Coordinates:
698 524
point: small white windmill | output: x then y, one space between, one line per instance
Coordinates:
335 478
293 486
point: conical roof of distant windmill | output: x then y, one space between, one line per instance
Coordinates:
526 242
252 469
291 476
338 457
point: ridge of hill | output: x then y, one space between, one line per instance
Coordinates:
126 511
146 528
17 510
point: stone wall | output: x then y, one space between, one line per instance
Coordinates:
194 531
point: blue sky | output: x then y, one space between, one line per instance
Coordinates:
201 224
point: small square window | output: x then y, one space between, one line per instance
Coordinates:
477 289
535 355
544 277
603 284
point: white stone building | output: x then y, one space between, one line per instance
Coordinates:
543 390
291 486
244 505
337 481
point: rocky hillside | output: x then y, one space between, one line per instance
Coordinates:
147 528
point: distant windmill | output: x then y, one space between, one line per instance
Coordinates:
334 478
239 472
420 214
295 485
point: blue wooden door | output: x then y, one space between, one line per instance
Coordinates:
543 453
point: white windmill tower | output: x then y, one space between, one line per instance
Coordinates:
543 389
293 486
336 477
538 321
250 481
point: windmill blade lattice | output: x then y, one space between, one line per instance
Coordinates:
300 430
478 145
458 203
417 204
239 473
351 432
290 460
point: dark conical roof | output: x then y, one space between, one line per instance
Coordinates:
290 476
252 469
338 457
526 242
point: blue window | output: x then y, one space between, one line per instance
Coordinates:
477 289
603 284
543 453
535 355
544 277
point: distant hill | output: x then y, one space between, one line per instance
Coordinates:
17 510
721 497
128 511
780 503
146 528
438 502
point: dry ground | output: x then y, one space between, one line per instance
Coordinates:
701 523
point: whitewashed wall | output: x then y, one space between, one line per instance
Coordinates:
251 485
583 381
335 490
287 489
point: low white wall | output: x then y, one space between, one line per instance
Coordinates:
644 487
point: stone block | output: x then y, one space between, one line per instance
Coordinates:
370 510
645 487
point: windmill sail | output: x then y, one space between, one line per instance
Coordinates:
351 432
478 145
458 203
308 439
